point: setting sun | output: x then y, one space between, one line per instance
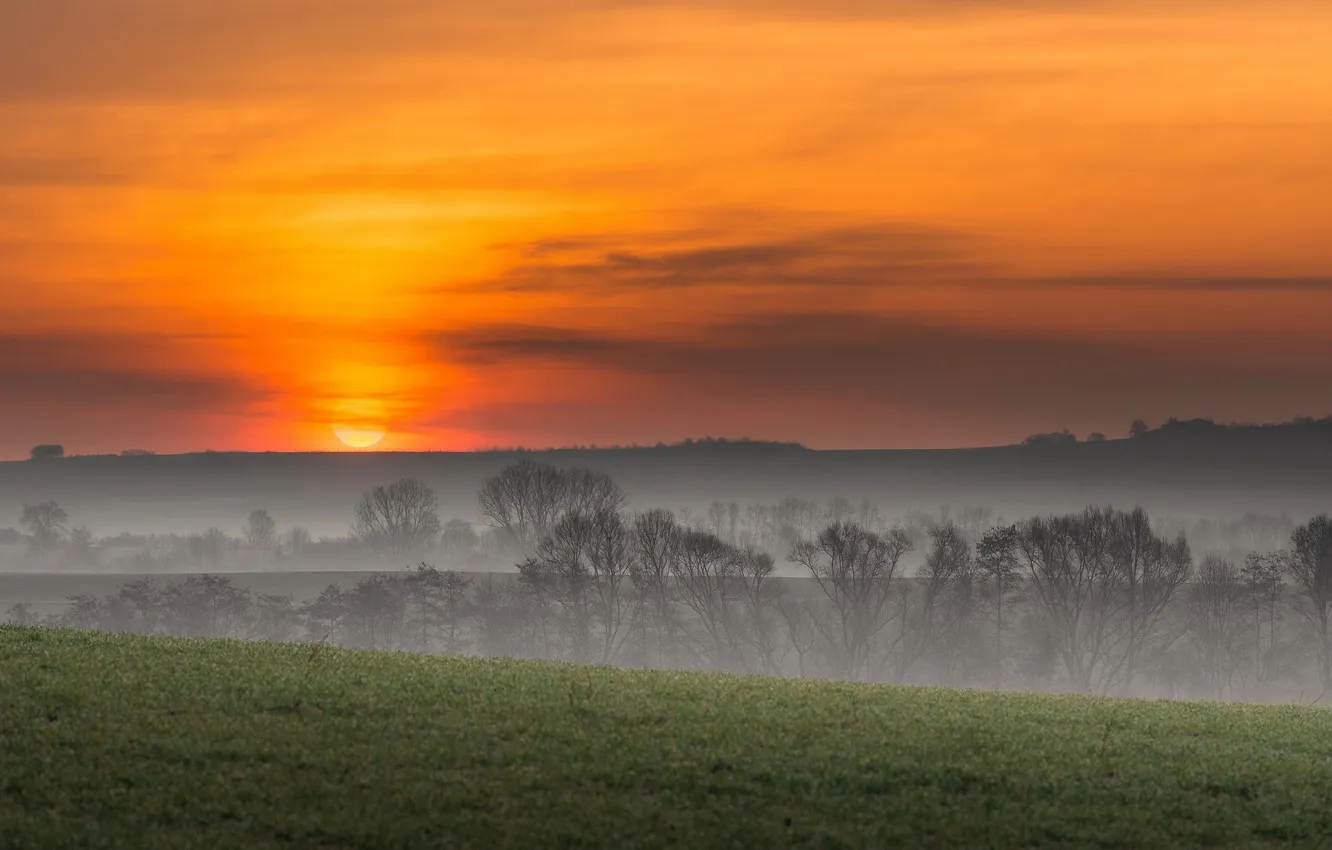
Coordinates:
358 438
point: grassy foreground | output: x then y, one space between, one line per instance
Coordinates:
145 742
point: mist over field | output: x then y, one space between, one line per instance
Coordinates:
1190 560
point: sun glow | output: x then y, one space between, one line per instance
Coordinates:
360 423
358 438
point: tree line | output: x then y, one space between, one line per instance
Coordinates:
1096 601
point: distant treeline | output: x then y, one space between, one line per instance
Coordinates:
1139 429
1097 601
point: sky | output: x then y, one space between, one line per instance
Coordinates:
239 224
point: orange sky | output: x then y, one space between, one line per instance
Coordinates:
235 223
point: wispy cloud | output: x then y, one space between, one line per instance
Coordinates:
868 255
146 373
887 367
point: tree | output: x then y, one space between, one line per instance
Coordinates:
1309 564
581 568
260 530
398 519
760 600
1215 611
276 617
1057 438
1138 429
938 621
207 606
1096 437
21 614
47 452
1264 585
996 561
704 572
656 548
1103 581
375 611
438 601
855 569
82 547
209 549
46 524
325 615
527 499
296 541
1066 561
458 541
1153 570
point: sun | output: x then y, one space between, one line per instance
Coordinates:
358 437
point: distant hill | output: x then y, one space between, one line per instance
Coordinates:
1188 469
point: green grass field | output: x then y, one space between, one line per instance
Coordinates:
147 742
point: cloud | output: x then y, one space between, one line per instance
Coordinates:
98 372
1167 282
862 256
860 369
866 255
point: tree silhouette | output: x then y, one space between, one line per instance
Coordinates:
1309 564
398 519
260 530
855 569
47 452
526 500
46 524
996 560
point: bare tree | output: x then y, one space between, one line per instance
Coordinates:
1215 611
1104 580
375 611
324 615
800 615
458 541
1153 570
1308 562
932 623
582 568
46 524
1067 563
704 572
206 606
81 550
296 541
527 499
855 569
1264 585
399 519
260 530
656 544
208 550
759 600
998 565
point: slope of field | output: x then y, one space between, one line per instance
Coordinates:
1216 475
147 742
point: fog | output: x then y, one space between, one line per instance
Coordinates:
1188 562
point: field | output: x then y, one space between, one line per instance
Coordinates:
112 741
